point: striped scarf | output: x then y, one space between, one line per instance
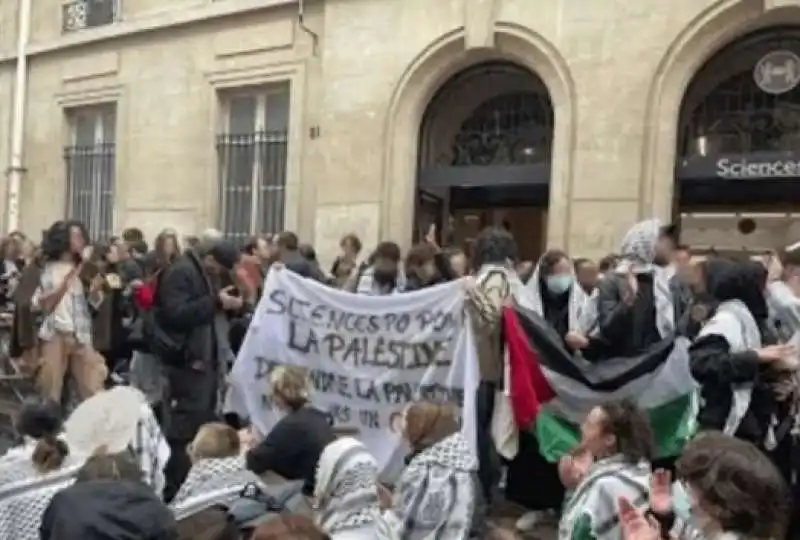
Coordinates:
347 491
593 506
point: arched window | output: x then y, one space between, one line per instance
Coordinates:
509 129
746 99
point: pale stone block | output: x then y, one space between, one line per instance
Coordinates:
335 221
90 65
151 221
597 227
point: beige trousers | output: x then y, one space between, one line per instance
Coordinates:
63 354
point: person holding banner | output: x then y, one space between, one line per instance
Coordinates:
293 447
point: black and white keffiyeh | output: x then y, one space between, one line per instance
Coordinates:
436 495
347 491
638 251
733 322
23 503
214 475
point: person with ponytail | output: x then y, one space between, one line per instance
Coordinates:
34 471
42 450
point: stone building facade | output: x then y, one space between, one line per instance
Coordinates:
329 116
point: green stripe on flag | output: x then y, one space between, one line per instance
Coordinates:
672 425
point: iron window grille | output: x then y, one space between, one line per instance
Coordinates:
252 156
90 163
82 14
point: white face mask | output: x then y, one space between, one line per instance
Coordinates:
686 509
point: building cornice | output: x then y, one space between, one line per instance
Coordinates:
148 23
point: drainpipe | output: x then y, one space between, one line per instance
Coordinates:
301 21
16 170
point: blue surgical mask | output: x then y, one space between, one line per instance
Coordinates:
681 502
559 283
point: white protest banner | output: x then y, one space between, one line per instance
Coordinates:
368 357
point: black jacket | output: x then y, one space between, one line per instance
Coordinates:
107 510
716 369
185 307
628 330
293 447
298 264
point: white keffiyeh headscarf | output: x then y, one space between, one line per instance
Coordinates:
347 491
638 251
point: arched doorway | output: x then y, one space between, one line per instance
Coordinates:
484 157
738 165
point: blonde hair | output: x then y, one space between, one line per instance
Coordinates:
290 385
214 440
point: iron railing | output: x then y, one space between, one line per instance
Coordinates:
91 172
252 183
81 14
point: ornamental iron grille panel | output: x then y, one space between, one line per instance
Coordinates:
82 14
725 111
252 155
511 129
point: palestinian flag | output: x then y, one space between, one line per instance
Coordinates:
552 391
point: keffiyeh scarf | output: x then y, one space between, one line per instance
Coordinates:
222 479
784 311
435 498
734 322
638 252
347 491
593 506
22 503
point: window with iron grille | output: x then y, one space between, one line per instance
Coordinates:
81 14
252 152
90 162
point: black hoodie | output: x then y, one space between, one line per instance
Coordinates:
107 510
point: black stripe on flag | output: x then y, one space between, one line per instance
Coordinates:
554 356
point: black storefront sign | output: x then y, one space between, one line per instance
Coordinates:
760 165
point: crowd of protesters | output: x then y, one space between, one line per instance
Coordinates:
129 348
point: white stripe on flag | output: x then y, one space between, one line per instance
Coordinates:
573 400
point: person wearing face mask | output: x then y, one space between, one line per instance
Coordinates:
559 300
727 489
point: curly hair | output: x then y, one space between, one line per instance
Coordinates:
736 484
55 242
628 424
494 245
